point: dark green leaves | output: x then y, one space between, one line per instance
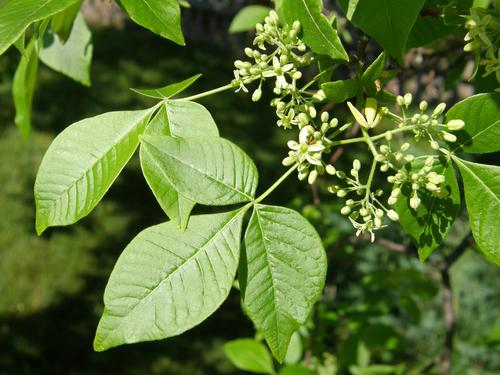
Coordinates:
167 281
249 355
23 87
430 223
481 115
208 170
168 91
340 91
318 33
82 163
389 22
17 15
282 274
162 17
248 17
71 57
482 195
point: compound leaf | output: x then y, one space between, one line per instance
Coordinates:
167 281
482 196
282 274
163 17
82 163
430 223
73 57
207 170
189 119
318 33
481 133
17 15
248 17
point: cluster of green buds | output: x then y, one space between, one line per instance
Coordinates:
309 150
425 178
483 27
366 212
279 55
425 125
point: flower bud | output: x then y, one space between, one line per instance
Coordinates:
297 75
341 193
392 200
415 201
257 94
303 119
408 98
423 106
319 96
393 215
400 100
439 109
388 136
334 122
434 145
448 137
325 116
312 177
346 210
330 169
312 112
288 161
454 125
356 164
405 146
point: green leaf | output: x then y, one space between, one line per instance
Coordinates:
295 350
163 17
318 33
481 133
189 119
373 72
248 17
340 91
17 15
23 88
184 119
62 22
167 281
427 30
207 170
168 91
158 125
430 223
249 355
82 163
389 22
73 57
282 273
482 192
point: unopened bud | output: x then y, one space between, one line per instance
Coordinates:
330 169
257 94
312 177
439 109
454 125
346 210
423 106
448 137
393 215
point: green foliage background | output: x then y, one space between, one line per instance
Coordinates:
51 287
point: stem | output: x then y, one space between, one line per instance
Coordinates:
374 138
208 93
370 179
369 142
276 184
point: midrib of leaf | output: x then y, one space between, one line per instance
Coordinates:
388 15
475 177
212 178
478 134
168 276
91 167
319 28
270 271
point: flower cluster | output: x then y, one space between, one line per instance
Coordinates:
367 212
279 55
428 126
308 151
483 27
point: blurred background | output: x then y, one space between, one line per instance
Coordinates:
380 304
